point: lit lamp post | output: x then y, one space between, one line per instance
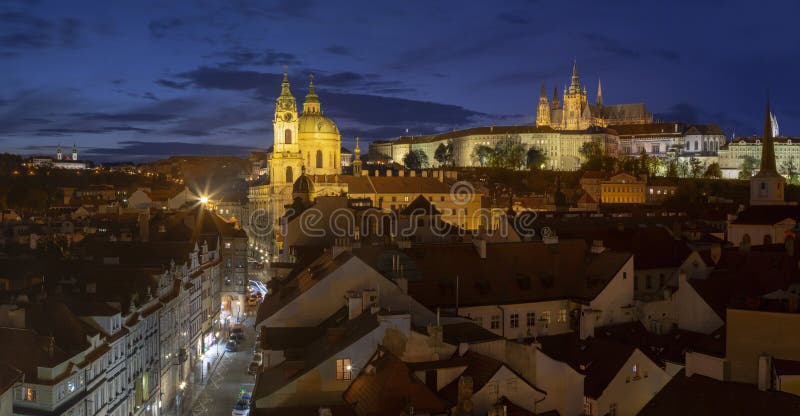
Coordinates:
179 398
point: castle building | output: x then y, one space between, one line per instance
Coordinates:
61 162
575 112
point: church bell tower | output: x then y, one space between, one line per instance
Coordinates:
767 187
286 159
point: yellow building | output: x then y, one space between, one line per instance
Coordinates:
622 189
301 142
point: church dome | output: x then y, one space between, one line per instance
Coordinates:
303 185
316 123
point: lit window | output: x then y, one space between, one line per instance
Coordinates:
30 394
515 320
343 369
546 317
562 315
227 244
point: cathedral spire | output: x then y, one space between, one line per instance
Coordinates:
556 103
543 94
767 147
311 104
599 92
574 86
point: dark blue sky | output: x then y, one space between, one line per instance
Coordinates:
145 79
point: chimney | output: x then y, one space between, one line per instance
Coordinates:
464 406
716 252
676 127
597 247
480 246
355 305
764 372
51 346
550 239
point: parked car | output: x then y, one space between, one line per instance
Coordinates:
255 364
231 346
241 408
238 333
252 369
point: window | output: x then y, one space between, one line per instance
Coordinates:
343 369
227 244
514 320
287 136
289 175
587 406
531 319
562 315
30 394
648 282
546 317
479 321
319 159
495 324
612 409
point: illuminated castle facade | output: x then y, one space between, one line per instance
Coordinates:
575 112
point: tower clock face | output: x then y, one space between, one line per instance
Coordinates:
287 117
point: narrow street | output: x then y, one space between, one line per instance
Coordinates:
222 389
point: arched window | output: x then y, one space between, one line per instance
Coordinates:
289 174
287 136
319 159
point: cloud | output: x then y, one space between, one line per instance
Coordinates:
150 150
276 9
599 41
239 56
159 28
125 117
98 130
20 31
338 50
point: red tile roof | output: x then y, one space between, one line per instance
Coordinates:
511 272
700 395
386 386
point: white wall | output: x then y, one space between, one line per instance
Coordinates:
484 314
617 294
631 394
706 365
694 314
564 386
506 383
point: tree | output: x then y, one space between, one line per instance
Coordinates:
672 168
713 171
444 154
536 159
747 167
508 154
481 154
415 159
789 169
695 167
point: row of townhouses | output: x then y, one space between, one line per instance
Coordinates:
117 327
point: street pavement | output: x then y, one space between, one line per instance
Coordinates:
219 393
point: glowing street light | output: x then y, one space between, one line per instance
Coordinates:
203 199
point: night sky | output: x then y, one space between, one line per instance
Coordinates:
140 80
